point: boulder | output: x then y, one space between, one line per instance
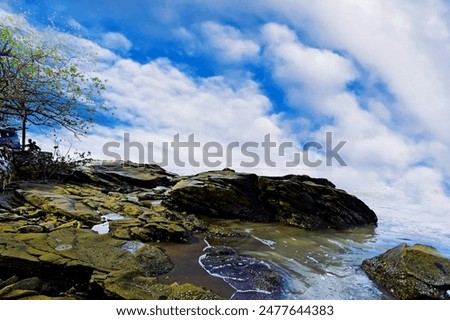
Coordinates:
300 201
411 272
221 194
313 204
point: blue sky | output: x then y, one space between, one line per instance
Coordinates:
373 72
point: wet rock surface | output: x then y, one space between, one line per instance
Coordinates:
411 272
94 233
252 278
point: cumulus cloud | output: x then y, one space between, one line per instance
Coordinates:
310 70
159 101
227 42
116 41
406 44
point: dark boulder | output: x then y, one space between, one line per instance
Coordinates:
300 201
313 203
221 194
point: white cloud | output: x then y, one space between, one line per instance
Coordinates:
160 101
228 43
312 71
405 43
116 41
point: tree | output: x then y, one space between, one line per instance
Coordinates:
41 83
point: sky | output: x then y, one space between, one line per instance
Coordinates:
373 73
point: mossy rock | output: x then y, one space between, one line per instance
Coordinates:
188 291
134 286
67 258
55 200
411 272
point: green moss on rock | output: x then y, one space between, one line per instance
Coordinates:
411 272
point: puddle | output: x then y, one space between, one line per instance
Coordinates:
103 228
160 188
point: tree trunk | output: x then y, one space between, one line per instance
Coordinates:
24 131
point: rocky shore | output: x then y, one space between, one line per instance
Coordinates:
97 231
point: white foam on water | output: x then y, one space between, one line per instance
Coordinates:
271 244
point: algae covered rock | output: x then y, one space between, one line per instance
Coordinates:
411 272
68 258
55 199
134 286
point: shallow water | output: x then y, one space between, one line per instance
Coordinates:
319 264
314 264
326 264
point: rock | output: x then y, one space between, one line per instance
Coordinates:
161 230
72 224
217 232
132 285
411 272
45 229
17 294
121 176
221 194
155 227
9 216
67 258
54 199
313 204
21 288
300 201
30 228
252 278
9 281
188 291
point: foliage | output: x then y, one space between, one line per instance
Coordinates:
42 81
